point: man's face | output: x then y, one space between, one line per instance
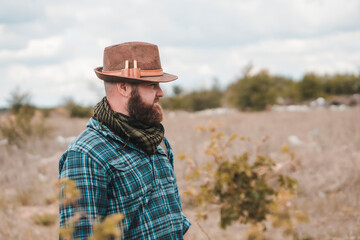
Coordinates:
144 103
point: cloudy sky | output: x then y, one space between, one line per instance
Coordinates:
49 48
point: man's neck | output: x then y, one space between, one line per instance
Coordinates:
118 106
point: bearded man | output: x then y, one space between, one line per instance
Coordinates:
122 163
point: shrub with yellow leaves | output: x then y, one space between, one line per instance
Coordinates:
245 187
108 228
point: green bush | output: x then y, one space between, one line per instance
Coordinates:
201 100
310 87
194 101
253 92
341 84
76 110
80 111
258 91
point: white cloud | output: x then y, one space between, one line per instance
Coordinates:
292 57
297 17
53 82
36 48
103 42
296 56
205 70
52 47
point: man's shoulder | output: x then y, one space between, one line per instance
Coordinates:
94 142
166 141
86 141
88 136
167 144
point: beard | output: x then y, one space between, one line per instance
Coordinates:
149 114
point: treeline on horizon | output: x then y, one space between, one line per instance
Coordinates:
251 92
258 91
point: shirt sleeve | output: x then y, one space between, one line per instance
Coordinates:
91 180
186 224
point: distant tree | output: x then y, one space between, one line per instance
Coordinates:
341 84
76 110
204 99
177 90
196 100
246 71
253 92
310 87
257 91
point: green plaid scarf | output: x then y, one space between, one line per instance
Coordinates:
145 137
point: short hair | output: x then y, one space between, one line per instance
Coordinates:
109 86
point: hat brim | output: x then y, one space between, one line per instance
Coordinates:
166 77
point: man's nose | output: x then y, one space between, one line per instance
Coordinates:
159 92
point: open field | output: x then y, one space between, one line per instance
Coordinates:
327 165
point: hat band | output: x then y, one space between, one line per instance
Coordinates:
135 72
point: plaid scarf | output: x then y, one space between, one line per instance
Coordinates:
145 137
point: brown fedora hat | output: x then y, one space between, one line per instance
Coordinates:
133 62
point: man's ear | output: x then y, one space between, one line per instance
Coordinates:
124 89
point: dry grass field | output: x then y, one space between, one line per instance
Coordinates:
327 165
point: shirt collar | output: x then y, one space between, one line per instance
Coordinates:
105 131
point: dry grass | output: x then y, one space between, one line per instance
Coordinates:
46 219
327 165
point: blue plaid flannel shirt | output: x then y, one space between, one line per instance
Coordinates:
117 179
